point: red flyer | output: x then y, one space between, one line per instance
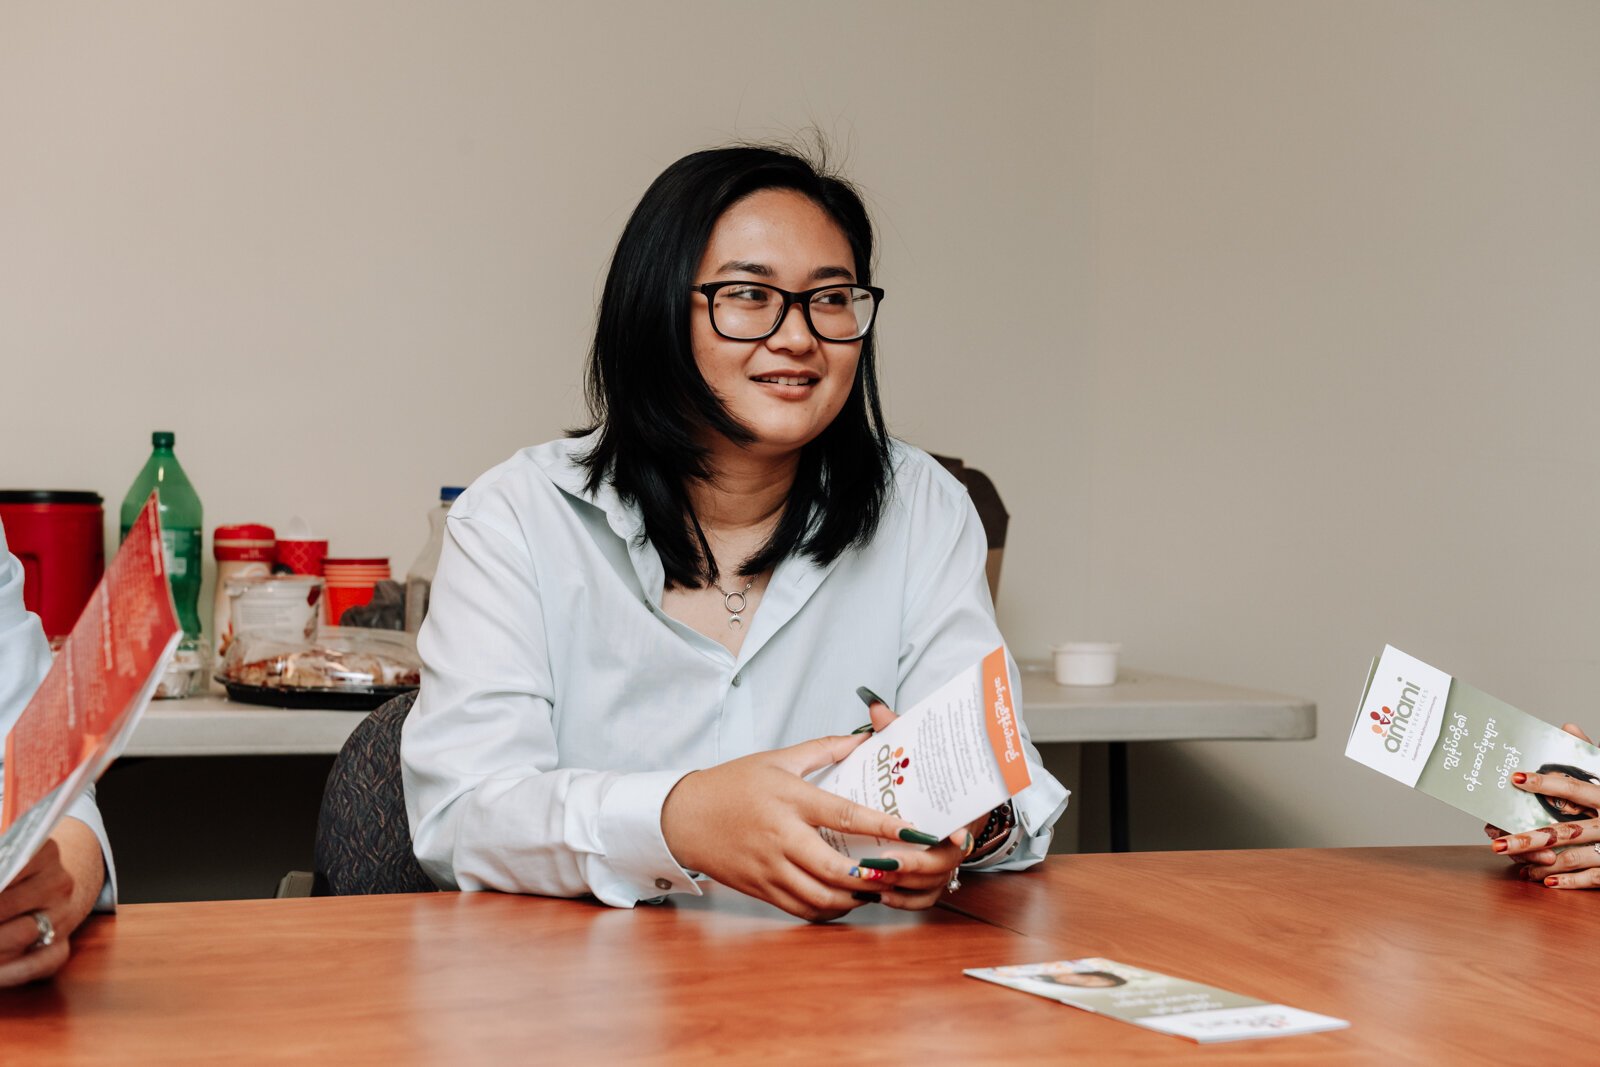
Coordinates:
100 683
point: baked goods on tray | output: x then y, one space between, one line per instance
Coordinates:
339 658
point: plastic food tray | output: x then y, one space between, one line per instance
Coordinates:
339 698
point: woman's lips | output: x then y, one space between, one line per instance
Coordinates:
784 379
786 386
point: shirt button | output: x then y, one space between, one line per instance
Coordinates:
737 678
663 884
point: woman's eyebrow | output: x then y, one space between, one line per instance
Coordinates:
744 266
761 270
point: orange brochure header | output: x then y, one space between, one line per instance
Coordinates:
1000 716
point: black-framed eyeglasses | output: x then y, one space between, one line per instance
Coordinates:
753 311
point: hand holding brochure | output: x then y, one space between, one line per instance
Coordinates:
1419 726
1157 1001
87 705
942 763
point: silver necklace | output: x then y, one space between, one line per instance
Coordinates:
729 600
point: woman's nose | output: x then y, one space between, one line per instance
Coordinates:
793 334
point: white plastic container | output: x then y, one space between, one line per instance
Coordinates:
1086 662
281 606
243 551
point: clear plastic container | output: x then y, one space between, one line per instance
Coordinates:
339 656
341 668
419 577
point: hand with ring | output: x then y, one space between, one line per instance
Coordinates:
1572 796
47 901
907 879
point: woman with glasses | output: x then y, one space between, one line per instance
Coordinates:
642 639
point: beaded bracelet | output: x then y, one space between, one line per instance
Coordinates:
994 832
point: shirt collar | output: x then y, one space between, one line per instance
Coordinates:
559 461
793 582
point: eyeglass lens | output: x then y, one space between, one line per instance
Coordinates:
746 312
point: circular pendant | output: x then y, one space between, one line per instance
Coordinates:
733 622
728 602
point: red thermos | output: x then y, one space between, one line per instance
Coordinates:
59 535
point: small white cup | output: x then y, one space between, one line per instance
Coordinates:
1086 662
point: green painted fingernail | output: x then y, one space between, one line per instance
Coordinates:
869 698
877 863
867 729
917 837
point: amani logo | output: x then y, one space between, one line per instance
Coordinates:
1392 724
891 772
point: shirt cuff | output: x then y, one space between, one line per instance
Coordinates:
641 866
83 809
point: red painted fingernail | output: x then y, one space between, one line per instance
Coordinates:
1499 844
1552 881
1518 778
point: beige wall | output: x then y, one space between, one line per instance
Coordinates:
1292 358
1346 273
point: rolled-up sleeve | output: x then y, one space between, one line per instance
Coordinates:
24 661
489 805
949 622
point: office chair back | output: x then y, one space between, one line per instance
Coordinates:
363 835
991 513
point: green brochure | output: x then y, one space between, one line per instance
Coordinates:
1419 726
1157 1001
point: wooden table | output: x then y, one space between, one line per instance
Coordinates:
1432 953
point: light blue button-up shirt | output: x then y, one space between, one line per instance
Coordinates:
560 704
24 661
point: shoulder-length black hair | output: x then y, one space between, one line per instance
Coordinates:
1550 803
650 403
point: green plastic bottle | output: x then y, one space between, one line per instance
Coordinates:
181 523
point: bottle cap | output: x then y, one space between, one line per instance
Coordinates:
244 531
246 542
448 493
163 438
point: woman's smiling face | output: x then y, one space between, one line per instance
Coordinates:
787 388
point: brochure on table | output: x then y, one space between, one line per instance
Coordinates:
1157 1001
942 763
1420 726
88 704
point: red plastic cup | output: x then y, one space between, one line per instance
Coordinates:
349 584
303 557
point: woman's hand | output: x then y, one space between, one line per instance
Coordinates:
751 824
62 881
1541 856
919 877
1578 865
